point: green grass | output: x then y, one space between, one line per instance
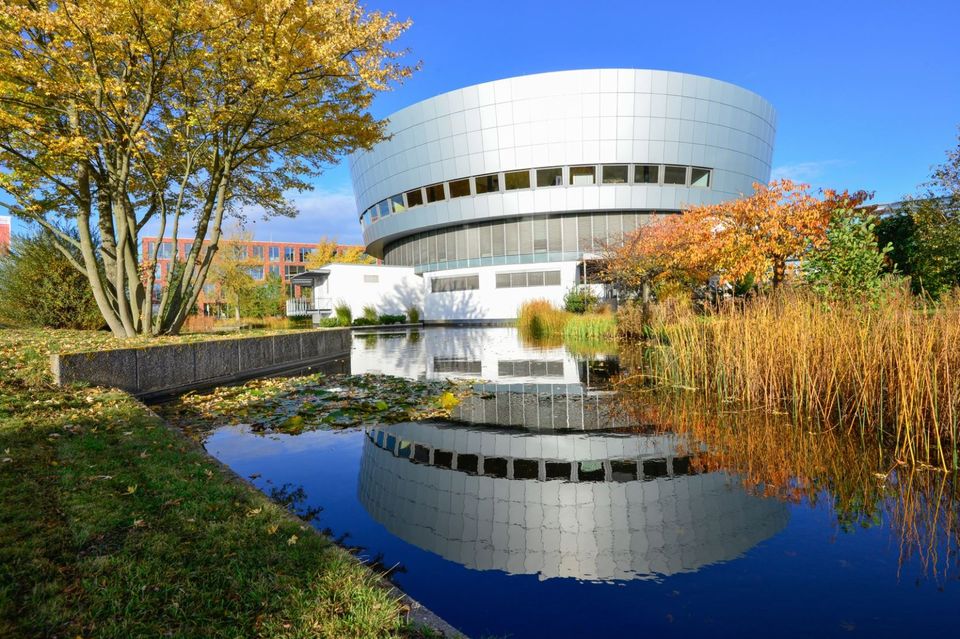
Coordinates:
115 525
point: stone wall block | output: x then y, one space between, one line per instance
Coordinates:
219 358
162 367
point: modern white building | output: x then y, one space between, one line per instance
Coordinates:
504 191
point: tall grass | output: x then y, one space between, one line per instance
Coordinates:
888 373
540 320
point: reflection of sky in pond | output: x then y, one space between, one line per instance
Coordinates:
545 533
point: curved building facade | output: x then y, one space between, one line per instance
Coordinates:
497 192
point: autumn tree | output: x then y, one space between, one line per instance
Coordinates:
230 270
331 252
752 237
116 115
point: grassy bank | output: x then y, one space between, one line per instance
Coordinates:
889 373
113 525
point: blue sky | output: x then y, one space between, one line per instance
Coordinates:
867 93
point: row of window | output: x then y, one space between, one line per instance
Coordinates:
613 470
489 243
256 252
650 174
528 278
455 283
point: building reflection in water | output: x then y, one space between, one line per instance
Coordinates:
598 506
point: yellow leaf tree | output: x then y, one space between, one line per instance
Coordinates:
116 116
331 252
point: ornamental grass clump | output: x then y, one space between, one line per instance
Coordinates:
538 319
887 371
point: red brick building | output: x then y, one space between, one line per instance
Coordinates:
5 233
284 259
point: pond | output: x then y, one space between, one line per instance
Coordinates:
551 506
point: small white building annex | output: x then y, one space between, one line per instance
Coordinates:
392 290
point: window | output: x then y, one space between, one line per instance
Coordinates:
305 254
700 177
166 251
646 174
371 279
539 235
615 174
239 252
435 193
528 278
580 175
414 198
292 270
288 253
274 270
256 272
383 208
516 180
258 253
487 183
459 188
150 246
396 203
675 175
550 177
456 283
209 289
274 253
187 248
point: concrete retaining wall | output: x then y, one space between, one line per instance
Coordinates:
160 370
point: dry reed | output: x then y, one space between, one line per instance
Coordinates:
888 373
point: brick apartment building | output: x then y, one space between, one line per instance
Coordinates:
283 259
5 233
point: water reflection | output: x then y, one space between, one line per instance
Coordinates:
595 507
495 356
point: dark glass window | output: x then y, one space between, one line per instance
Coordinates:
675 175
646 174
414 198
615 174
435 193
580 175
700 177
516 180
549 177
487 183
459 188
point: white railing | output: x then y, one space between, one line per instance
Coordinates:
299 306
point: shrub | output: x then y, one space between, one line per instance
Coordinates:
580 299
40 287
392 319
329 322
413 315
344 314
364 321
849 266
370 313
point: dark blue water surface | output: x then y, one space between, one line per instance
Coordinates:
529 519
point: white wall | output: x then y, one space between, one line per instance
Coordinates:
397 288
490 302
